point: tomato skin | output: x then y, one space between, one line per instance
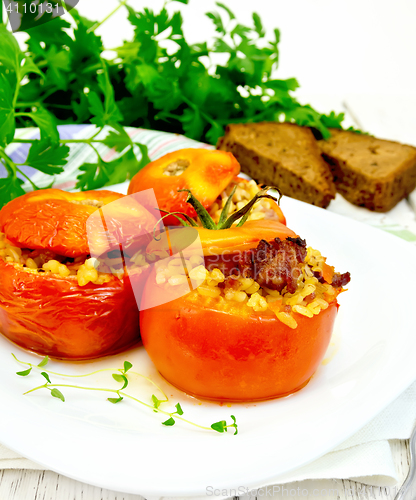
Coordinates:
208 174
217 243
222 350
52 219
237 239
51 315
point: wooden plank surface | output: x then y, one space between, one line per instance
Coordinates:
46 485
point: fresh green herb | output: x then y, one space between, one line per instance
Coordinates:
120 377
169 422
222 426
44 362
115 400
56 393
46 376
156 80
156 401
24 103
24 373
127 366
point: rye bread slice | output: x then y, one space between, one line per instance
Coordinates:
370 172
283 155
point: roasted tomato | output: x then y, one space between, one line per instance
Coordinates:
54 299
53 220
224 350
257 322
211 177
205 172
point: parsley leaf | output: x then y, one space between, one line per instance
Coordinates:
47 124
193 123
258 25
104 113
156 80
118 140
47 157
7 122
229 12
216 19
10 188
30 67
10 54
94 176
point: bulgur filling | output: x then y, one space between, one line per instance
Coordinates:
245 191
311 293
45 261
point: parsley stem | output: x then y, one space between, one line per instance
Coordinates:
97 133
36 188
8 163
62 141
98 24
90 144
27 104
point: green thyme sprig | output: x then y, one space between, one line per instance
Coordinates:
121 376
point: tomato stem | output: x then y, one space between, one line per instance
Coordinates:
226 222
202 213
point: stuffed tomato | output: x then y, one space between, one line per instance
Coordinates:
54 299
211 175
257 325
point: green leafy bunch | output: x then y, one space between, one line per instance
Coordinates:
25 82
161 81
156 80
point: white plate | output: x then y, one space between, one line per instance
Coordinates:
125 448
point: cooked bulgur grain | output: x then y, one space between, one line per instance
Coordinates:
310 298
35 261
244 193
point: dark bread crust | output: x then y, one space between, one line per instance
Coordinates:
370 172
283 155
